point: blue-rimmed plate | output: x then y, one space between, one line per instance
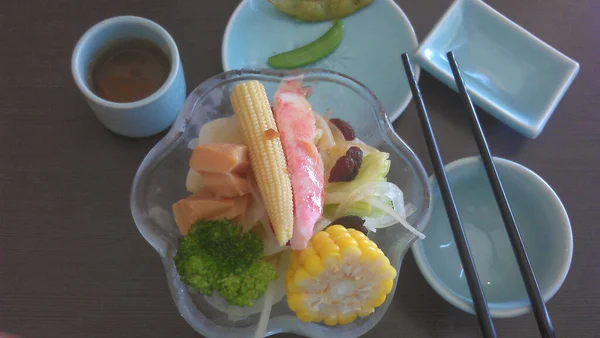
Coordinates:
374 40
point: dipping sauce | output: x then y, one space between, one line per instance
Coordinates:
129 71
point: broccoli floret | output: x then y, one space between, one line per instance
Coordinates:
245 288
216 255
198 271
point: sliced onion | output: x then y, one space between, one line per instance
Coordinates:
326 140
270 293
255 214
265 313
329 158
409 209
321 224
236 313
387 189
317 138
270 244
366 149
338 137
257 211
372 224
390 211
193 143
367 193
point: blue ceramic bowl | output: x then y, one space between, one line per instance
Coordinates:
150 115
374 40
508 72
542 222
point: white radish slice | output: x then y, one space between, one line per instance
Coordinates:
222 130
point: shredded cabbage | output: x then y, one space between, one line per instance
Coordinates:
374 168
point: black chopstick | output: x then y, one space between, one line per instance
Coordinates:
479 302
541 313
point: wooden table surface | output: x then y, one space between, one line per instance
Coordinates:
72 263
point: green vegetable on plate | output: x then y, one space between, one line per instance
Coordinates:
319 10
311 52
217 256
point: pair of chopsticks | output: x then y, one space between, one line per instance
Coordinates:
485 321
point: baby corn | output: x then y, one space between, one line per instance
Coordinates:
252 108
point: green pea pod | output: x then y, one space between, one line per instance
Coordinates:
311 52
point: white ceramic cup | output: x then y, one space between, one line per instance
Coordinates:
145 117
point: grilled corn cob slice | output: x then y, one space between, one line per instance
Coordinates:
253 111
340 276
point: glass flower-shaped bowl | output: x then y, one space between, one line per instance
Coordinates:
160 182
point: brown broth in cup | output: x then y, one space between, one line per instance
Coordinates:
129 71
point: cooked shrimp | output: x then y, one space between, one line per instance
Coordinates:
296 124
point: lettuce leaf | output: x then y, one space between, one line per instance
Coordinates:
375 167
